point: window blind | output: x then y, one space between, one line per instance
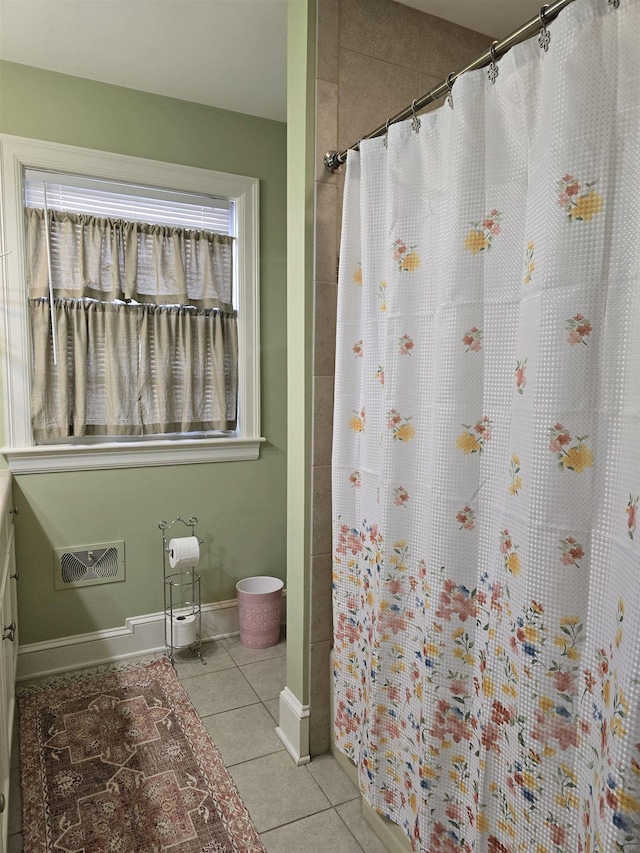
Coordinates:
79 194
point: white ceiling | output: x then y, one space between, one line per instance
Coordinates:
225 53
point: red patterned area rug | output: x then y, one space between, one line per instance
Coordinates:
120 763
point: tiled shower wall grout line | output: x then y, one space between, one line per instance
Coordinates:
381 30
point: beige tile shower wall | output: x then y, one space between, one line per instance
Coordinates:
373 58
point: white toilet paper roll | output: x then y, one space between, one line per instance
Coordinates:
184 630
184 553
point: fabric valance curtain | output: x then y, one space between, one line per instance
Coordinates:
126 370
145 327
109 259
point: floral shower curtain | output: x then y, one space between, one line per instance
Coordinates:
486 473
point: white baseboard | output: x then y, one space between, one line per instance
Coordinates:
140 635
293 730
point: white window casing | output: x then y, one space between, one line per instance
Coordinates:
17 154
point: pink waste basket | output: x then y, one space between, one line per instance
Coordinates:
259 610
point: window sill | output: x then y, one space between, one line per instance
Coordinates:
94 457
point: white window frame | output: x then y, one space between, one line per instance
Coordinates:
23 455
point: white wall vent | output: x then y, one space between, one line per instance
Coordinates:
82 565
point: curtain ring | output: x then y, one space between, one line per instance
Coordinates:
545 36
415 121
386 134
450 88
493 70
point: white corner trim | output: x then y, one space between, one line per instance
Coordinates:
141 635
293 730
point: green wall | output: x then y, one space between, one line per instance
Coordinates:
241 506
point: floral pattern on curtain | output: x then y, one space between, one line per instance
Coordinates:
486 468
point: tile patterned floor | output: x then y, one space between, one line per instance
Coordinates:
310 809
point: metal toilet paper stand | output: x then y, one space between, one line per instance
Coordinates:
181 596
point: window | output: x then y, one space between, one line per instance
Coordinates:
122 214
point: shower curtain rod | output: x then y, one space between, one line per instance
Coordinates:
333 160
